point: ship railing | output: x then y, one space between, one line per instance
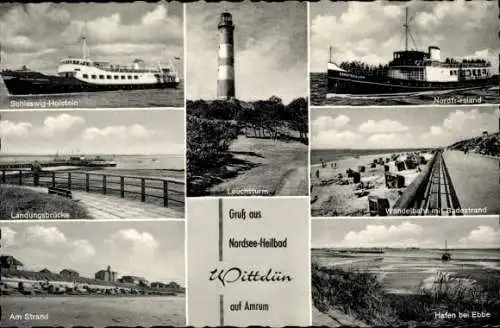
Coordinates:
167 192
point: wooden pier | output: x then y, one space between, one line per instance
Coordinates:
166 192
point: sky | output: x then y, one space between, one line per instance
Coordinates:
270 49
370 32
123 132
472 232
399 127
40 35
153 250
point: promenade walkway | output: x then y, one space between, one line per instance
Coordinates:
476 180
107 207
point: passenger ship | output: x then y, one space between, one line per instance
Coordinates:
410 72
87 75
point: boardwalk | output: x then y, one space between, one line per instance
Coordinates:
107 207
476 180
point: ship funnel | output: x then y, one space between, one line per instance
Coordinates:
434 53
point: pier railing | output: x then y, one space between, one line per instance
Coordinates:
414 193
167 192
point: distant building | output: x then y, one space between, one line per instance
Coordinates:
106 275
134 280
10 263
69 274
172 285
45 271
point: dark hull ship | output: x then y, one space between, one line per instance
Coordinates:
25 82
86 75
410 72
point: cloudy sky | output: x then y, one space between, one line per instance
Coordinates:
154 250
399 127
40 35
270 49
472 232
124 132
370 32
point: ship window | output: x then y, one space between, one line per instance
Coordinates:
101 76
129 77
116 77
85 76
135 77
94 76
123 77
108 77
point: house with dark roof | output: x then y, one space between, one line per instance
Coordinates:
134 280
69 274
8 262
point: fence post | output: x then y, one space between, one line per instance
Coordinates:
53 178
87 182
104 184
122 187
3 176
20 177
165 193
69 180
143 190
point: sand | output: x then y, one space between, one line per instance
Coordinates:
332 199
273 167
96 311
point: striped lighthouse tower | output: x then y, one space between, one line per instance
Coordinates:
225 79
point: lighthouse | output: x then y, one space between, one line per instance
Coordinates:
225 78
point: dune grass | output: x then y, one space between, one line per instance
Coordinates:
19 200
361 295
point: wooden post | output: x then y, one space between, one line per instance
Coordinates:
87 182
165 193
69 180
122 187
143 190
53 178
104 184
20 177
3 176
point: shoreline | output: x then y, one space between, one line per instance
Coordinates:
334 193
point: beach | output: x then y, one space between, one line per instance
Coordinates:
330 197
96 311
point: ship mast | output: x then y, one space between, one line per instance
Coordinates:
408 33
406 28
84 41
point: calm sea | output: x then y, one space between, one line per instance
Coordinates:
319 92
104 99
403 270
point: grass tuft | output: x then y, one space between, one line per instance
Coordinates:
22 200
